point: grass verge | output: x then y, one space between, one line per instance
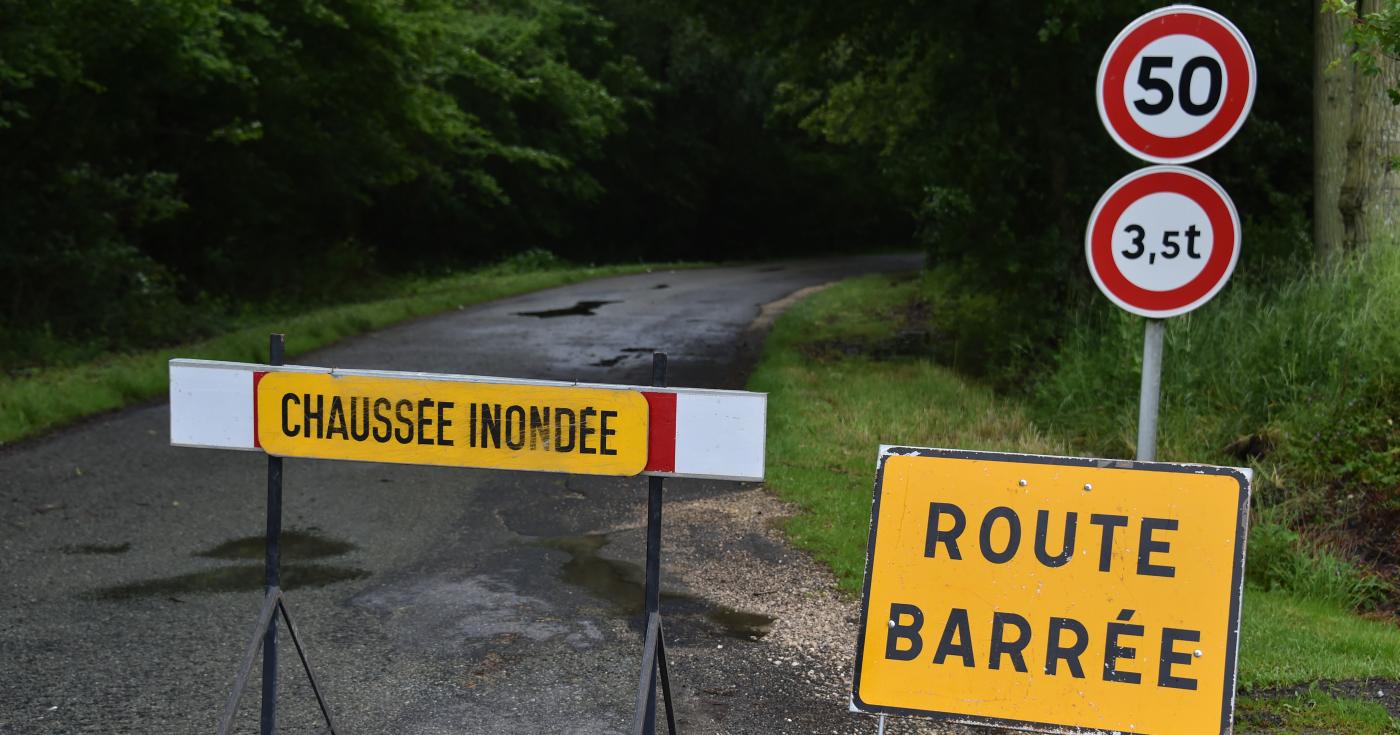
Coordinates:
847 369
52 397
1314 711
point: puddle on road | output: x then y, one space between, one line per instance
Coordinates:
296 544
609 362
582 308
621 583
660 286
639 349
241 578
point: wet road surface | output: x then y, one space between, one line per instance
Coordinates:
433 600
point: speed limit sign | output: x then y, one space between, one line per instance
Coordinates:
1162 241
1176 84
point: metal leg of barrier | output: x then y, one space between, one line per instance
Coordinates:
273 604
269 607
654 653
646 685
665 676
265 634
306 666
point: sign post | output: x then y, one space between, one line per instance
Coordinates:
1056 594
1174 86
1150 392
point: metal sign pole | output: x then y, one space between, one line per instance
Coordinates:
1151 389
272 571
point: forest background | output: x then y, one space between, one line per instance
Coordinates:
173 169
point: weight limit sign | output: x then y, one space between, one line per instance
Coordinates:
1162 241
1176 84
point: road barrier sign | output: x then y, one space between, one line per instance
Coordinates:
1176 84
1162 241
1052 593
467 421
462 421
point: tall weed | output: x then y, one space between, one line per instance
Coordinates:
1298 377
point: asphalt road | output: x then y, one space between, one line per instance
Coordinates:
432 600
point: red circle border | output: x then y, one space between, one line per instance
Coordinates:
1228 117
1153 180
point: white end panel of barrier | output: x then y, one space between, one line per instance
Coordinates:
211 406
720 436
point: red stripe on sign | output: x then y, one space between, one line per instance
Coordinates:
257 378
661 439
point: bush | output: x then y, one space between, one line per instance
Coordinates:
1299 378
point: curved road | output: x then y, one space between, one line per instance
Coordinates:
433 600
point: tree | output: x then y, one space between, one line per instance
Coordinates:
981 119
1356 138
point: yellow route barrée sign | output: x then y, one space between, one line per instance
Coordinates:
1053 593
452 423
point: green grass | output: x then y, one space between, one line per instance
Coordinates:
828 412
48 398
1314 712
841 380
1285 639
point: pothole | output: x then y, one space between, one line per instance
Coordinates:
582 308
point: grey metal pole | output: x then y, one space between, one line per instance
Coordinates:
1151 389
272 569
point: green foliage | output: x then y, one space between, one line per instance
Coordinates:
1298 377
1279 560
837 390
41 399
157 150
168 162
1374 35
981 120
841 381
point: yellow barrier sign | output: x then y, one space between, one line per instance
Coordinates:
453 423
1053 593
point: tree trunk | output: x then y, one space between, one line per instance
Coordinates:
1332 110
1370 196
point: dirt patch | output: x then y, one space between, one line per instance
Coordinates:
731 548
1385 692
